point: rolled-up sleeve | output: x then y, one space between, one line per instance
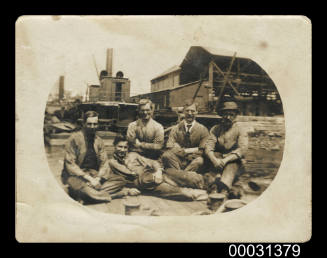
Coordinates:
242 143
158 141
71 158
210 143
131 133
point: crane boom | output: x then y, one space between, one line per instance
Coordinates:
96 69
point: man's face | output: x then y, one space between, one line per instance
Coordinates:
229 116
91 125
190 113
145 111
121 149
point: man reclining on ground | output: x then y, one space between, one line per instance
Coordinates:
147 175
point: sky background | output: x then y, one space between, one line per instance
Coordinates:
144 46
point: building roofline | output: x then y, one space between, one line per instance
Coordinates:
109 103
172 69
170 89
221 52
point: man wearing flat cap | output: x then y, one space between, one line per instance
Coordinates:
224 149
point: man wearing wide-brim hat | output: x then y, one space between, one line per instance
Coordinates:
225 148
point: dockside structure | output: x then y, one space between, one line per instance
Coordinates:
201 76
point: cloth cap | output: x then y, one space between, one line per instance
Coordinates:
230 105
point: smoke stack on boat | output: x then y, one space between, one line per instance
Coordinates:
109 61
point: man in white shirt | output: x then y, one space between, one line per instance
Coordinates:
145 135
186 142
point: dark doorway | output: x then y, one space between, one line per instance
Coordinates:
118 91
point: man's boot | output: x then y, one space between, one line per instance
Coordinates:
222 188
195 194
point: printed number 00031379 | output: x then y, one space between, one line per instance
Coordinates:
259 250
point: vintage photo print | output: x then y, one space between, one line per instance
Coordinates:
163 129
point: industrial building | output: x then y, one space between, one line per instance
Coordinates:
111 88
210 78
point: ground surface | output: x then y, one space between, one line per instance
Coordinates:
266 143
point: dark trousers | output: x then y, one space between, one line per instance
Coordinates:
80 189
175 158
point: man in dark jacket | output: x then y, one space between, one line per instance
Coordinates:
186 142
86 170
61 114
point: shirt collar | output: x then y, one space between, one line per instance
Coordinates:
185 125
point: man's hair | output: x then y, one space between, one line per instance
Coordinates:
190 102
144 102
90 114
119 138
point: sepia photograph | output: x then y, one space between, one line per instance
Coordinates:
173 124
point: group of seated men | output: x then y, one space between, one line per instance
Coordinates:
192 164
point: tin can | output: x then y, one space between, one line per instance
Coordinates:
234 205
215 200
131 207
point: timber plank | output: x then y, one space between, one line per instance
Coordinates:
162 205
99 207
116 206
196 206
178 208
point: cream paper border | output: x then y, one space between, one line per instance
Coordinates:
44 213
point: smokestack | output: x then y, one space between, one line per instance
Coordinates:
61 87
109 61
